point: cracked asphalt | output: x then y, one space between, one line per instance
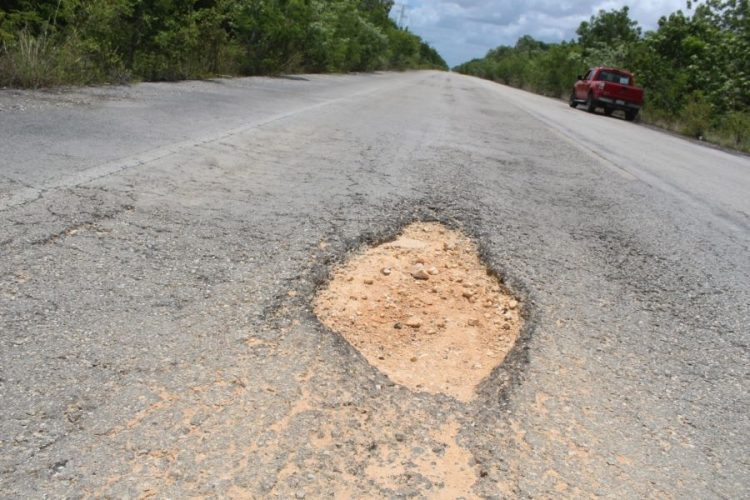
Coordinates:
160 246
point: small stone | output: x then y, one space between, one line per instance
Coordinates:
433 271
386 271
399 437
300 494
414 322
398 326
513 304
449 246
369 281
506 326
468 294
413 359
473 322
420 274
59 466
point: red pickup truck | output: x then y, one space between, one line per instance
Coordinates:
610 89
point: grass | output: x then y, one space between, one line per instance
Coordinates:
30 62
731 131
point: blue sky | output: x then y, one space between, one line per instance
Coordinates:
464 29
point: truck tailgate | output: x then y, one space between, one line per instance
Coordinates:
623 92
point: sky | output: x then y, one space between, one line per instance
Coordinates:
465 29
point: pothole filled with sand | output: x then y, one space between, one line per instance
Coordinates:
424 310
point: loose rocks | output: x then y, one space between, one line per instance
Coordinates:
420 274
414 322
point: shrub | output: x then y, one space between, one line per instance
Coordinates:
29 61
52 42
737 127
696 116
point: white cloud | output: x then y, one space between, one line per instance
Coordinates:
464 29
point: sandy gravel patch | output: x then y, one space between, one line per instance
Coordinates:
424 310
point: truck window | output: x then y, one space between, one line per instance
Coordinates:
611 76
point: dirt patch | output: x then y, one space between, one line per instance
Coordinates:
424 310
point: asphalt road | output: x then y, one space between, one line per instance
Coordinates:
160 246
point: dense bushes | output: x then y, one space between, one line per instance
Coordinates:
695 68
48 42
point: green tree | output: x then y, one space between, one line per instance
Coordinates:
43 42
608 28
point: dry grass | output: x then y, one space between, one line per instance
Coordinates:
733 133
32 61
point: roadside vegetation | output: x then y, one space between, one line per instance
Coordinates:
54 42
695 67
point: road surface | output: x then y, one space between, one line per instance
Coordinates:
161 244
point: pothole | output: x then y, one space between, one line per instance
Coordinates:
424 310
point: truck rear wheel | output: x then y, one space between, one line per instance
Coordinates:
590 105
631 114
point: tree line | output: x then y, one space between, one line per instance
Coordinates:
695 67
51 42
